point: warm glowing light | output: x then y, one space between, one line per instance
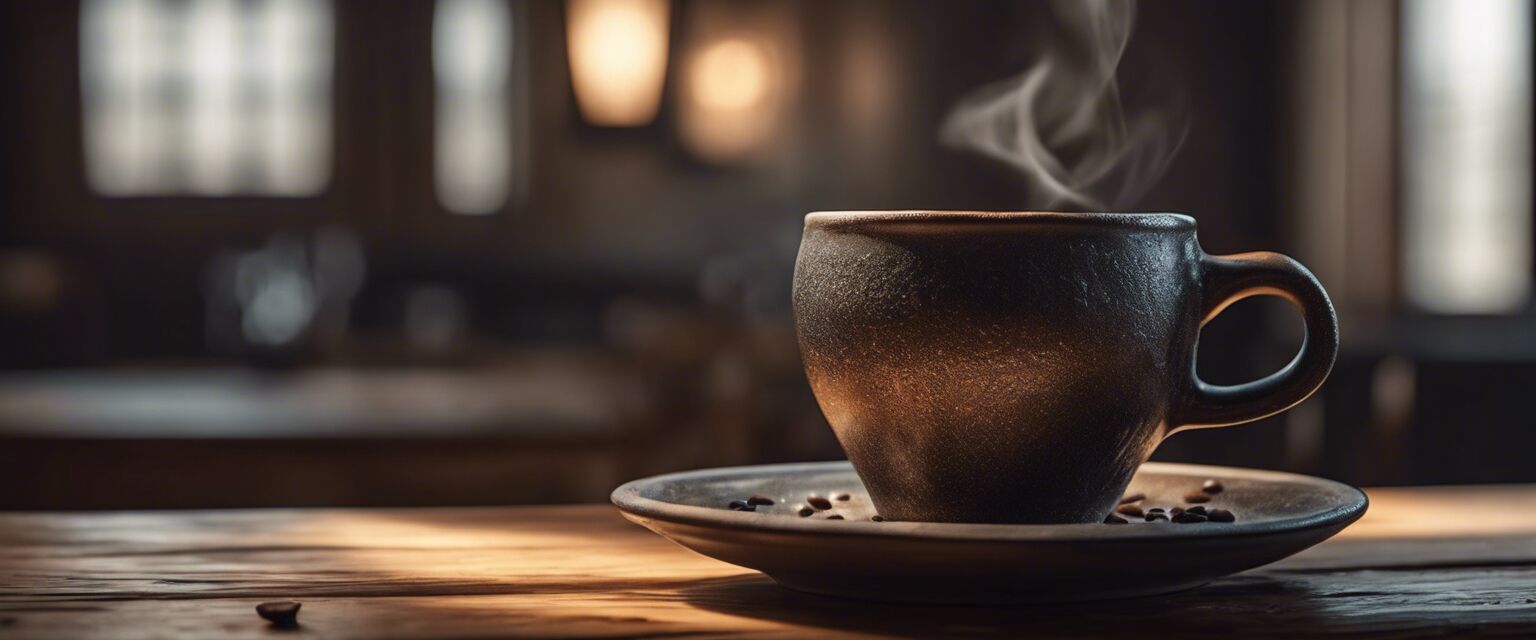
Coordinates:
1434 512
729 105
731 75
618 54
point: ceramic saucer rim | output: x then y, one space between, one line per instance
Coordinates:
628 499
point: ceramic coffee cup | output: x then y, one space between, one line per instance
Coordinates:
1017 367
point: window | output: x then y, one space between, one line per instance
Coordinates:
471 56
207 97
1467 169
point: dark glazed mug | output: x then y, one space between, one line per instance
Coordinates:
1017 367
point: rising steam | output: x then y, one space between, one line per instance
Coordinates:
1060 122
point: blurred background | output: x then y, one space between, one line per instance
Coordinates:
344 252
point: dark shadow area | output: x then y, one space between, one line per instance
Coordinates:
1290 607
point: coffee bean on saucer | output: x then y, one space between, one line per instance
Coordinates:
804 511
1156 517
1130 510
1197 509
1197 496
834 517
818 503
842 497
281 614
1133 497
741 505
758 501
1175 511
877 518
1212 487
1189 518
1114 519
1221 515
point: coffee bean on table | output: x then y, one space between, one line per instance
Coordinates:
1155 510
818 503
1133 497
1189 518
757 500
1197 496
834 517
877 518
1175 511
1130 510
1212 487
1197 509
1156 517
1114 519
842 497
741 505
284 613
1221 515
805 511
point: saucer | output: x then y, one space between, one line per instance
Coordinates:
1277 514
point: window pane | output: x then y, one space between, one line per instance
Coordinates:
207 97
1467 168
126 56
293 71
471 54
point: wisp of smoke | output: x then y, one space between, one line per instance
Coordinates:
1061 124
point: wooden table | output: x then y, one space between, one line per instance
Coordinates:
1423 562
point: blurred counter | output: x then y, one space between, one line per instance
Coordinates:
543 427
551 398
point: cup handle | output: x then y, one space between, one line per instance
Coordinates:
1228 279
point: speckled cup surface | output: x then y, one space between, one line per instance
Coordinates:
1017 367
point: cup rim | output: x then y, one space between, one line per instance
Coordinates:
907 217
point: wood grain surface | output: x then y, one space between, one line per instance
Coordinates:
1423 563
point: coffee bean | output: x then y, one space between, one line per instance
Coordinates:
282 614
834 517
877 518
1200 510
757 500
1133 497
1130 510
1197 496
1155 510
1156 517
738 505
1221 515
842 497
1212 487
1175 511
818 503
1189 518
805 511
1114 519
